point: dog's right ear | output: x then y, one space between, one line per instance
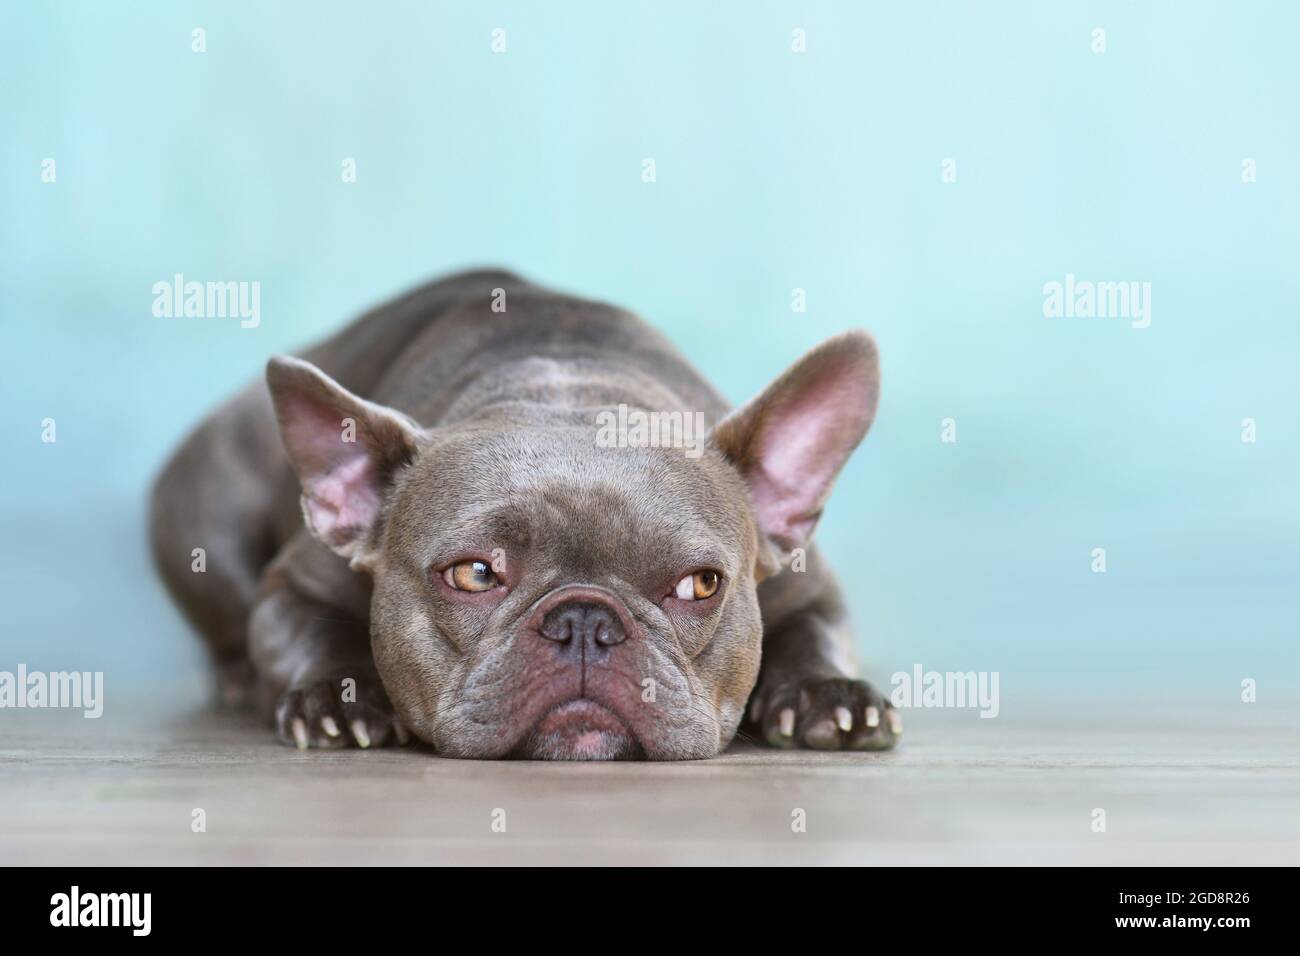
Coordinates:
344 449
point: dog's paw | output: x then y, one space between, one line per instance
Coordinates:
826 713
339 711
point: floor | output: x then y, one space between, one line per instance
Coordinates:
1219 785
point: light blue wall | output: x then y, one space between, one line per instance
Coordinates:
774 170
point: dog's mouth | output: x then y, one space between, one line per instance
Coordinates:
579 729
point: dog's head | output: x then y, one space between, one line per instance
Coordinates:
540 593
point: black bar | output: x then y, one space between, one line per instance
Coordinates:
334 904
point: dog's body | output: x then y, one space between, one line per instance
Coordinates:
498 576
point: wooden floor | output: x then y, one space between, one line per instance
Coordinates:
1217 785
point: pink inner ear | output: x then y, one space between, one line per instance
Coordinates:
343 502
804 442
341 488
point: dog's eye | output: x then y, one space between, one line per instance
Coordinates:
471 576
697 586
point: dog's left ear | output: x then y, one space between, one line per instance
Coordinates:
345 450
791 441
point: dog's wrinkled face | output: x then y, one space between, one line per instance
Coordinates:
577 602
539 595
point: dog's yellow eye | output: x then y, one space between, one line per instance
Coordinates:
471 576
698 586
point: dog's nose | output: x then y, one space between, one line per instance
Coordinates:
583 622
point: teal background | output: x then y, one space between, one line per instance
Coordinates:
775 170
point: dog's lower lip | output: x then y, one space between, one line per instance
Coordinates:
580 729
581 714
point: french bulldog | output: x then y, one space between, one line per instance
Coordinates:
426 525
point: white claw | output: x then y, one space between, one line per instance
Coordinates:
786 719
361 734
873 717
328 725
299 729
844 719
895 722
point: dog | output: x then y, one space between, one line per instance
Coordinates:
426 525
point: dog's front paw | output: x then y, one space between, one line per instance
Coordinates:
338 711
825 713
